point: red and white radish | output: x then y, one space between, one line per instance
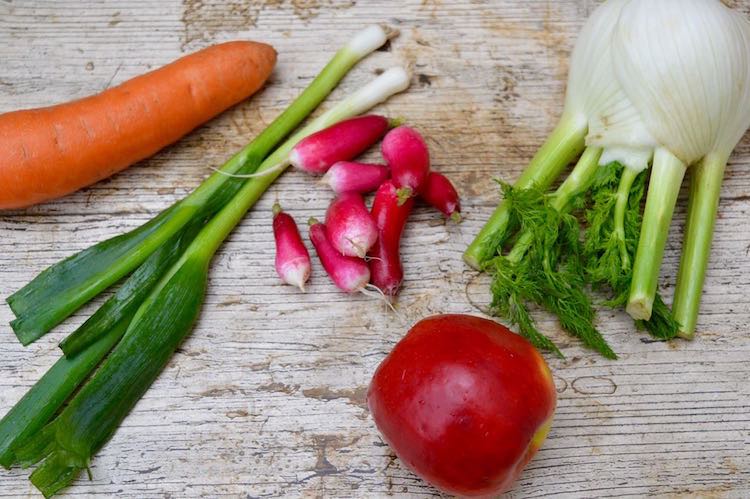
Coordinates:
439 193
341 142
292 257
350 226
349 274
349 176
390 218
407 155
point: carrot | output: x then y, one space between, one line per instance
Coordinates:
52 151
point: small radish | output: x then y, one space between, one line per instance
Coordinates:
350 226
341 142
317 152
406 153
390 217
348 273
348 176
292 258
439 193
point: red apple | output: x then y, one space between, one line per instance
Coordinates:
464 403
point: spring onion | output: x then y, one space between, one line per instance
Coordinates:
46 397
130 295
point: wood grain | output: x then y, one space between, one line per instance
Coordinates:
266 397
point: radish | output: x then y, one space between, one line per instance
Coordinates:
439 193
390 218
406 153
349 274
351 228
341 142
292 257
348 176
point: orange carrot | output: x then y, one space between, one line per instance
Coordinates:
52 151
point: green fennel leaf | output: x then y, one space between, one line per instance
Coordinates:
511 289
611 240
544 267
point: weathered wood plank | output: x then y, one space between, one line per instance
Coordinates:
266 397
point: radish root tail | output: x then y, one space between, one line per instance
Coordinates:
375 292
361 253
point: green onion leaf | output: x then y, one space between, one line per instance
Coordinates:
46 397
61 289
131 294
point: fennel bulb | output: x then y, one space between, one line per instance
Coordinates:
693 94
660 82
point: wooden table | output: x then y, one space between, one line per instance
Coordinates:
266 397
